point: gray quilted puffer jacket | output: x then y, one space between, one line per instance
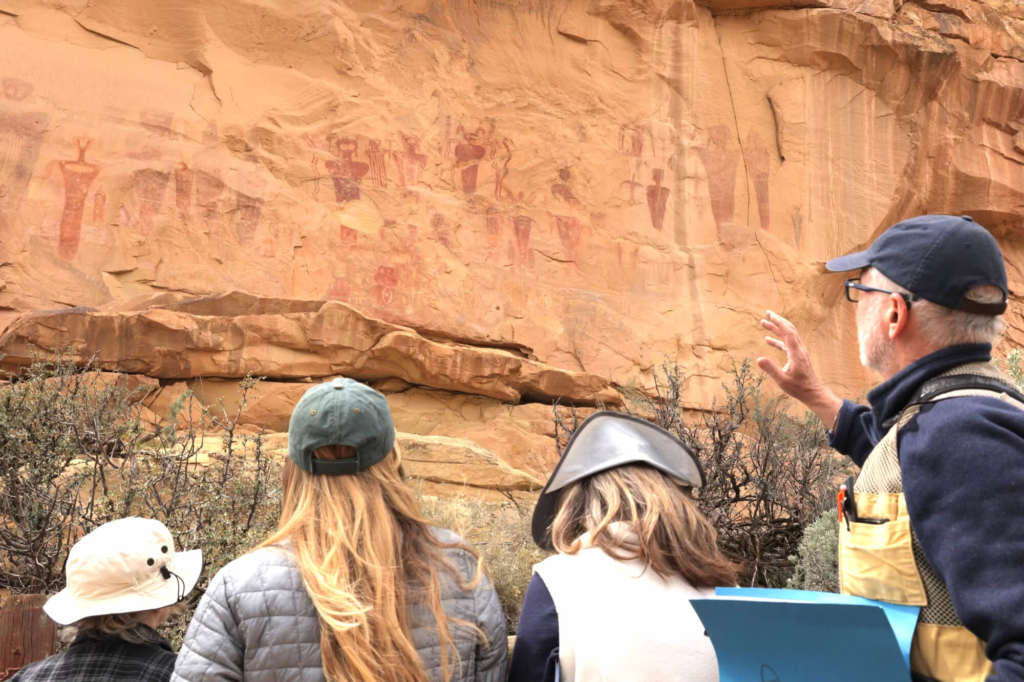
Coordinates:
256 623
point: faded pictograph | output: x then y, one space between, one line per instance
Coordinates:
442 230
78 177
16 89
467 149
250 210
758 162
346 172
157 122
183 178
521 226
500 166
386 282
721 160
209 190
657 199
99 207
149 188
466 153
21 136
798 226
562 190
249 190
632 140
568 226
493 229
378 164
410 161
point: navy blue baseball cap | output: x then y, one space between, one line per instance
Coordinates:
938 258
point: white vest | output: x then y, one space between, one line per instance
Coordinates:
617 622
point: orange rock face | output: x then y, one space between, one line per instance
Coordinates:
504 199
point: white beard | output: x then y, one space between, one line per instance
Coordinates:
876 350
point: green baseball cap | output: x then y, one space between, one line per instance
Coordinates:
340 412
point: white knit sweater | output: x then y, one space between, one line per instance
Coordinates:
619 622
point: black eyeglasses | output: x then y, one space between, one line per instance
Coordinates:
854 287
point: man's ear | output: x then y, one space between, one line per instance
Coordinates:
899 315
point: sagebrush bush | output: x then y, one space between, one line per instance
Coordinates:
769 474
816 565
74 454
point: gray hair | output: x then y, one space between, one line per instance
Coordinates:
943 327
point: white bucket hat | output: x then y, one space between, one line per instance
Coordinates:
124 566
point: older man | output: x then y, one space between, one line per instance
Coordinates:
936 516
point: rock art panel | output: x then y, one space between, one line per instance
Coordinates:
639 183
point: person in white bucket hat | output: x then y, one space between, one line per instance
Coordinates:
122 581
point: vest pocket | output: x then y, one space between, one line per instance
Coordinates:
876 560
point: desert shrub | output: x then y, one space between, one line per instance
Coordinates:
74 454
816 565
500 531
769 474
1014 368
56 423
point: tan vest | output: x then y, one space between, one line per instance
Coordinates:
885 561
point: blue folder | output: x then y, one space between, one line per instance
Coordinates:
799 636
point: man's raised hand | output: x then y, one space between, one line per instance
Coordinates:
797 377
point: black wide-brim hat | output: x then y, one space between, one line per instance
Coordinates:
604 441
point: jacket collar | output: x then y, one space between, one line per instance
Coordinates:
889 398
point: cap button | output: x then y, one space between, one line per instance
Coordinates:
338 383
968 218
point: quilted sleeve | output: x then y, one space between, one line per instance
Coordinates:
492 657
212 650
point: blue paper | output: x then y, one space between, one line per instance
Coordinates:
903 619
801 641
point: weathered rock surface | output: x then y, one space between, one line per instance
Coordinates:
536 187
438 459
235 335
523 435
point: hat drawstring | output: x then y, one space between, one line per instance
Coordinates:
180 587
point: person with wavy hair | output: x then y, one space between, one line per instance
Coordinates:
354 585
632 550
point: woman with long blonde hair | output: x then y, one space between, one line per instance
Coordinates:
354 585
633 549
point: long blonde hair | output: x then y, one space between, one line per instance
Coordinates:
365 552
669 534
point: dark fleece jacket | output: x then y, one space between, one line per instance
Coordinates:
962 461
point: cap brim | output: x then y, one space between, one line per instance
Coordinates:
852 261
604 441
65 608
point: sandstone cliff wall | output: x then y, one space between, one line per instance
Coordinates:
581 186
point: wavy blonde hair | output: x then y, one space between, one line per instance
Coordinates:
365 553
670 535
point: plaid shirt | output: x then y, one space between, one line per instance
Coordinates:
104 660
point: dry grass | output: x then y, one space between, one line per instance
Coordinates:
500 531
